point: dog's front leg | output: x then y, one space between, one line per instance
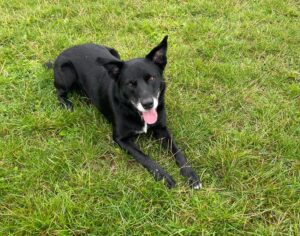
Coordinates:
145 161
185 169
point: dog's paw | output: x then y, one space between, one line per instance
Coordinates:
193 178
169 181
194 182
67 105
188 172
196 185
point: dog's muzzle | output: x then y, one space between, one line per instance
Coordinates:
147 109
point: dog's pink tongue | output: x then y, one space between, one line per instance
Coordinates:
150 117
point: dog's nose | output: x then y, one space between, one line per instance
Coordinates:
147 103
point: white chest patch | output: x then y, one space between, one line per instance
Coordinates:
144 130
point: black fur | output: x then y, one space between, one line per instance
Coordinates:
114 86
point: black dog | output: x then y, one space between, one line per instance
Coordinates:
130 94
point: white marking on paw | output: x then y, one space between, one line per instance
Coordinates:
198 186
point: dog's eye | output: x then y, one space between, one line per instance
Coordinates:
149 78
132 83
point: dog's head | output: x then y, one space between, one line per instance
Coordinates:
140 80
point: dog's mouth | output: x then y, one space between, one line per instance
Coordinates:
149 116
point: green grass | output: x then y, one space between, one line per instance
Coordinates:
233 104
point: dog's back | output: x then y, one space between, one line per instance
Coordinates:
80 67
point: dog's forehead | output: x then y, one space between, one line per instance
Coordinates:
140 67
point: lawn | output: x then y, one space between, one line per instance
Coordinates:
233 102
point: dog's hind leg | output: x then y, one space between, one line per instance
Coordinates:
65 78
63 99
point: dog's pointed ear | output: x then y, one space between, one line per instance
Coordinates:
112 67
159 54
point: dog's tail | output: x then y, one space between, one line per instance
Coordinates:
49 65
